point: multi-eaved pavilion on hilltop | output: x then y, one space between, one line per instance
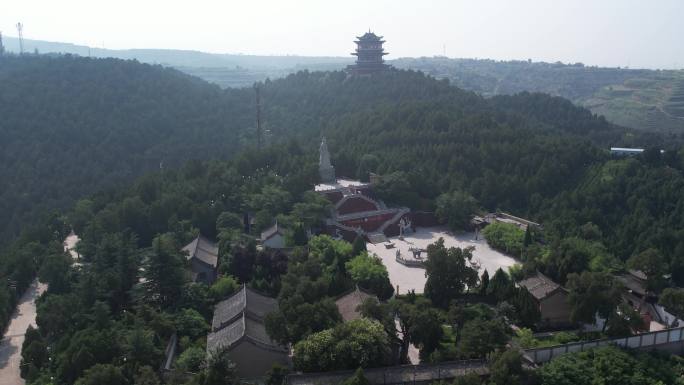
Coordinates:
369 53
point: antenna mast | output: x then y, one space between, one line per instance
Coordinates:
20 31
258 116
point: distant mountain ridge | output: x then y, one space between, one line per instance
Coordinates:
648 100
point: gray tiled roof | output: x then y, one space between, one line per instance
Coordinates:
633 282
242 328
246 300
271 231
203 249
540 286
347 304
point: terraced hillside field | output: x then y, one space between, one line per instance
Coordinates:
654 102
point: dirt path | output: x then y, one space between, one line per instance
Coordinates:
24 315
10 347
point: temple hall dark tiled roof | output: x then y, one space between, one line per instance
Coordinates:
540 286
271 231
348 304
247 301
244 328
204 250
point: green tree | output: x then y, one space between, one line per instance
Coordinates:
448 273
527 241
506 369
34 353
55 271
277 375
164 271
312 210
591 294
190 323
139 347
500 286
103 374
368 163
456 208
299 237
607 365
219 369
526 307
484 282
651 263
672 299
478 338
229 221
505 237
192 359
223 288
370 273
361 342
359 245
146 376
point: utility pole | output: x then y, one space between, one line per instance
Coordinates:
258 116
2 47
20 31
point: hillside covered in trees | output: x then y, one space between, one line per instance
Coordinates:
71 126
637 98
109 317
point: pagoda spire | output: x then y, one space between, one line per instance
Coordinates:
325 168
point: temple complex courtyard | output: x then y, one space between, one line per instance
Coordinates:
413 278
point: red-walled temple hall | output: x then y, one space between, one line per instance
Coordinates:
355 211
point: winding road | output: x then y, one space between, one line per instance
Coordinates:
23 316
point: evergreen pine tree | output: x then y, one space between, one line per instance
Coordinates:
299 237
484 282
359 245
528 237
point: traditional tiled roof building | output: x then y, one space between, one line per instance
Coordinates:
355 210
273 237
238 325
552 299
348 304
369 55
203 256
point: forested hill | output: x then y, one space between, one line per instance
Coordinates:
70 126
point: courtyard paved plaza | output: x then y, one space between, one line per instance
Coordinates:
413 278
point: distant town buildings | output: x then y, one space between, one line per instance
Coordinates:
369 53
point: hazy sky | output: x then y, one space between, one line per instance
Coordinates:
635 33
